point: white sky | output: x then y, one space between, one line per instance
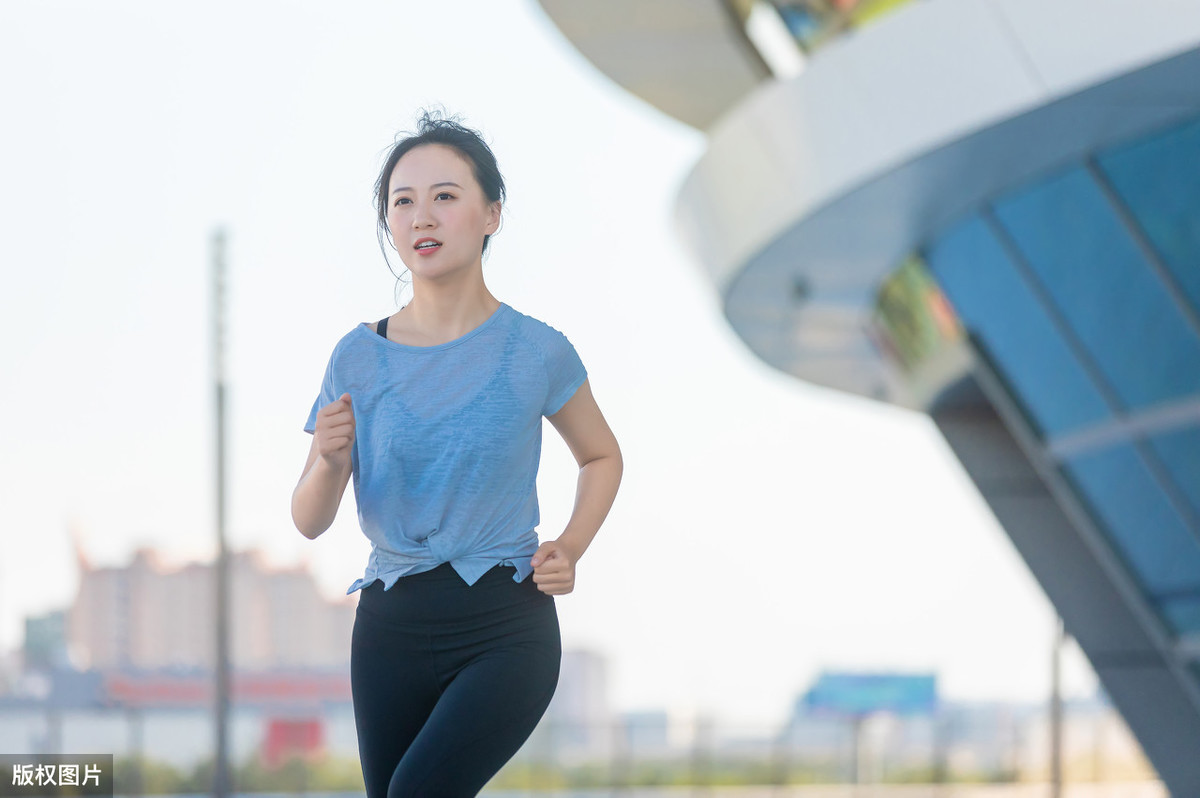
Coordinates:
765 529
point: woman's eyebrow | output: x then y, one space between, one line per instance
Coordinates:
435 185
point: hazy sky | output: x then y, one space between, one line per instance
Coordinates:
766 529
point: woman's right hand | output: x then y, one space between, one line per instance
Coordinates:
335 432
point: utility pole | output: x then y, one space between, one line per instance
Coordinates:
221 776
1056 711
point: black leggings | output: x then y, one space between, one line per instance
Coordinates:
448 680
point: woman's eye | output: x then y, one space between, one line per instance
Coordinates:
403 201
446 195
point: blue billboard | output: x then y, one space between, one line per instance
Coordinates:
859 694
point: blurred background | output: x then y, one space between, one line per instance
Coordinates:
893 306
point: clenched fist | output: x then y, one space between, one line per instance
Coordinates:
553 569
335 431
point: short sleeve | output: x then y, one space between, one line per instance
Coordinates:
564 371
326 396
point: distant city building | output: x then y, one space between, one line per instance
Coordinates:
10 670
647 733
127 668
579 721
991 741
146 616
45 646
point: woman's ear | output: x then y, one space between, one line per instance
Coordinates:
493 223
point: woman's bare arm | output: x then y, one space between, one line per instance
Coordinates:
319 492
595 449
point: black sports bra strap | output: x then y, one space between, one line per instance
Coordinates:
381 327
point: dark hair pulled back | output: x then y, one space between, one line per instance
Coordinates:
435 127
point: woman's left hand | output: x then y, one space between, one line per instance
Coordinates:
553 569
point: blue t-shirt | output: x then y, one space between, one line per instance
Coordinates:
447 442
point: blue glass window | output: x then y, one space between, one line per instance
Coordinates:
992 301
1179 451
1182 614
1159 179
1162 553
1074 241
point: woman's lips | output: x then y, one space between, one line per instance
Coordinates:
424 246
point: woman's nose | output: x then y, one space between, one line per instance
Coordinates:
421 216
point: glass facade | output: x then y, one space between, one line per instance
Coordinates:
1179 451
1159 179
1057 392
1114 306
1082 292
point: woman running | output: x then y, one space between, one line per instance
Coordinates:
436 412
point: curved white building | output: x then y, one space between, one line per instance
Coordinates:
987 210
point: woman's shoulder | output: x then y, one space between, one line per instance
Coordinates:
534 327
358 331
353 338
544 341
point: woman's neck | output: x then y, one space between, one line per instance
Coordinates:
445 312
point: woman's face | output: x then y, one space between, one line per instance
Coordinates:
437 213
